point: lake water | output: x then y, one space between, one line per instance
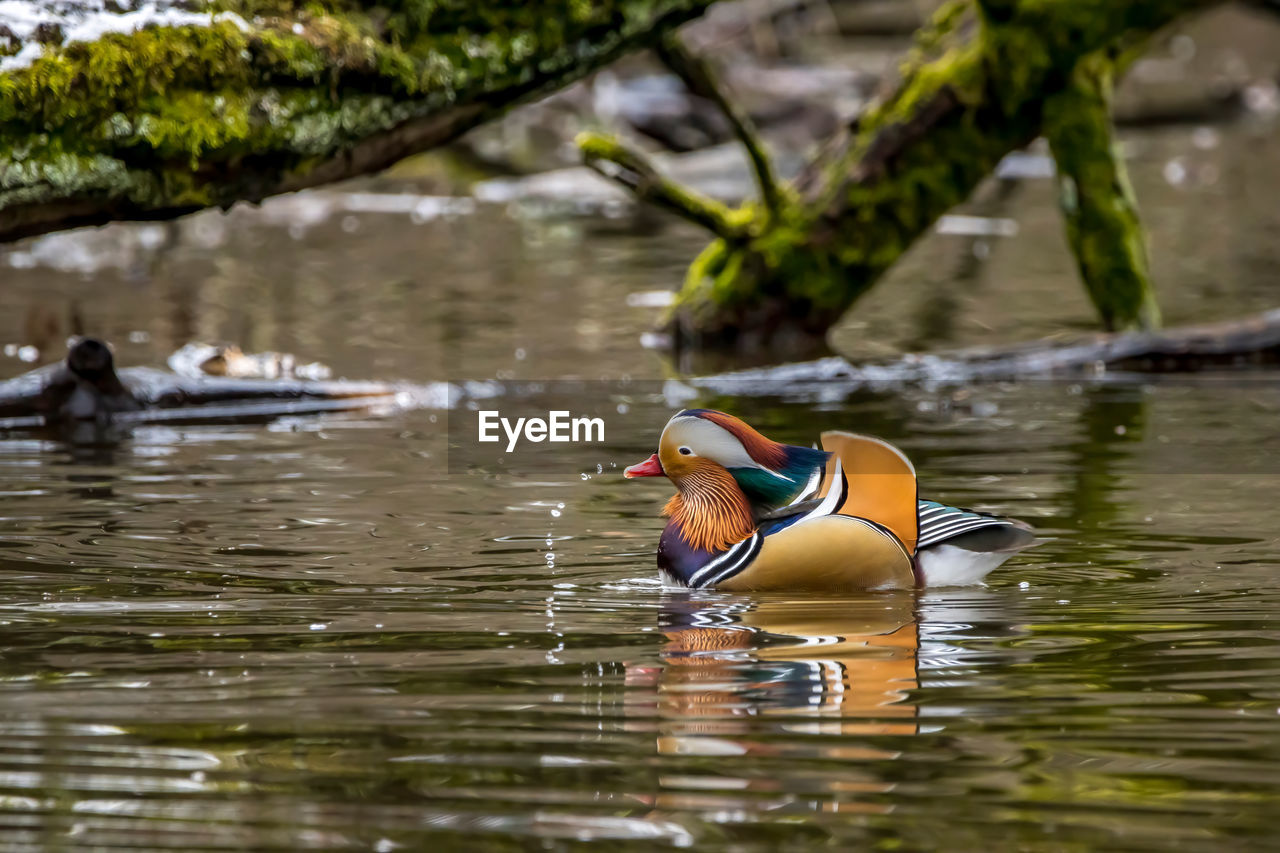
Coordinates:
335 633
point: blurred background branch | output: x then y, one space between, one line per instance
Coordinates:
855 150
701 80
974 88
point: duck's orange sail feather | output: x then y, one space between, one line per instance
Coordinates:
882 483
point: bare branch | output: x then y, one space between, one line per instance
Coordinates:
702 81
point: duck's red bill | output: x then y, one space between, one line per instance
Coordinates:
650 467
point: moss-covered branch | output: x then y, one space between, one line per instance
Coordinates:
628 167
1097 200
974 87
278 95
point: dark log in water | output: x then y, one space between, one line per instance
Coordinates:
1186 349
86 387
1230 345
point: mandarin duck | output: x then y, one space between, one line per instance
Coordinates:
754 514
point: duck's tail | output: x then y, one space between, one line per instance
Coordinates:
959 546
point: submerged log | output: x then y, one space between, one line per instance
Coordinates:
148 110
87 388
1231 345
978 84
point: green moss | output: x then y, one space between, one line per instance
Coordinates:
989 79
634 170
171 117
1097 201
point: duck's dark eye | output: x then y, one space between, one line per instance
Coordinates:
684 451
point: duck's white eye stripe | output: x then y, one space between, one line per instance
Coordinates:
705 440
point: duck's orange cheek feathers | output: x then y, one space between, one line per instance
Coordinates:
650 467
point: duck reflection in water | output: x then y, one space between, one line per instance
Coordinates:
733 672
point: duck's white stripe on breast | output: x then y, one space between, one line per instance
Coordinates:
731 561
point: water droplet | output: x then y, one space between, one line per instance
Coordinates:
1175 172
1205 138
1262 97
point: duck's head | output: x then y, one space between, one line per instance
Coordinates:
699 446
90 359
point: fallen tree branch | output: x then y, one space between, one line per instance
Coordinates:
974 88
612 159
147 120
1229 345
1186 349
